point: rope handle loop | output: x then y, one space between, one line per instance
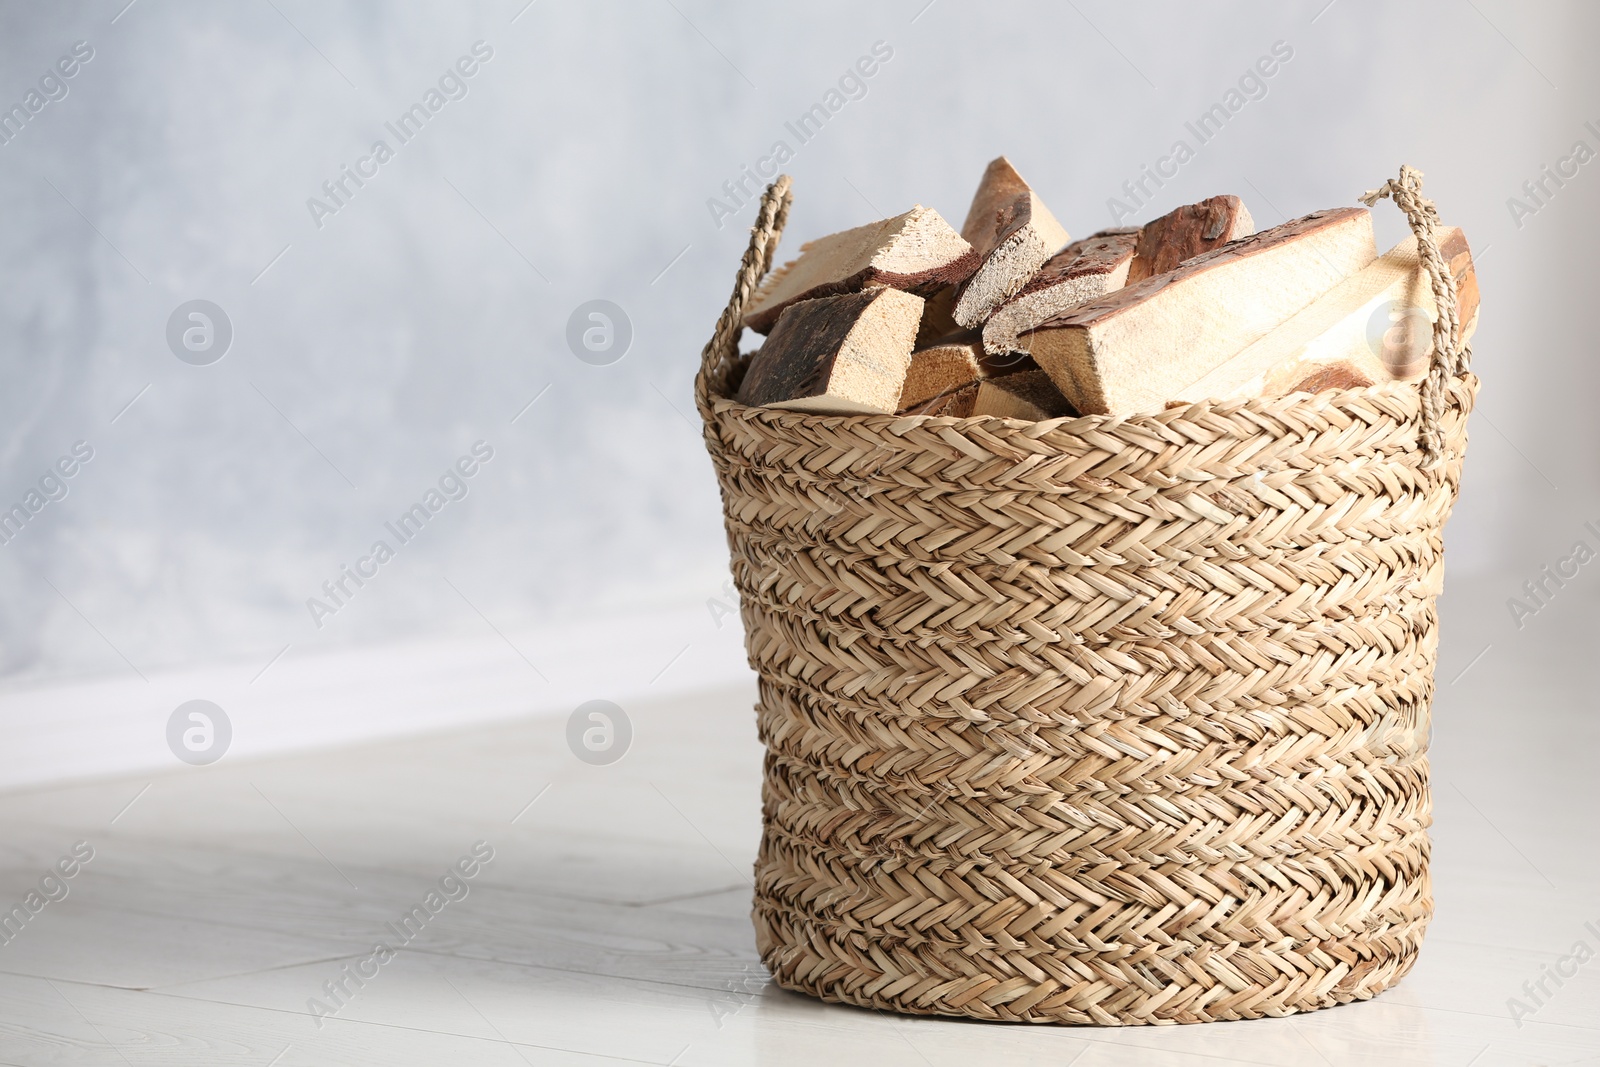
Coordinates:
1449 359
723 348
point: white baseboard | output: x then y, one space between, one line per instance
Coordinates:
117 725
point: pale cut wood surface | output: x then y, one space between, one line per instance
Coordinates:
837 354
917 251
939 369
1012 232
1132 350
1331 343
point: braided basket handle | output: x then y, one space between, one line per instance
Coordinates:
723 348
1449 360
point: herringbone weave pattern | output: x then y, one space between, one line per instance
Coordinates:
1090 720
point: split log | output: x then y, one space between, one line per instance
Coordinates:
940 369
938 317
1082 271
1030 396
1190 231
956 404
837 354
1134 349
1375 326
1013 234
918 251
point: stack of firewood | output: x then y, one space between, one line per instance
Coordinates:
1011 318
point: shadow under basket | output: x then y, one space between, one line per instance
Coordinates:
1094 720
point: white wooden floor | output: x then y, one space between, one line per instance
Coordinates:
611 925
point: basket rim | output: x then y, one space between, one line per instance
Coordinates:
1408 393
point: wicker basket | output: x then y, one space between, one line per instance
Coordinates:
1095 720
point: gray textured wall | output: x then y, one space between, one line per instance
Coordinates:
423 314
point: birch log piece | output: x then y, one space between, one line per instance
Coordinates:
1190 231
1375 326
919 252
1030 396
939 369
1081 271
837 355
1134 349
1013 234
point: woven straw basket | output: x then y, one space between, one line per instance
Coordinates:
1095 720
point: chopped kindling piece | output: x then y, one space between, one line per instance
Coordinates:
1134 349
1192 230
919 252
1030 396
1013 234
1081 271
938 316
1373 327
844 354
939 369
956 404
